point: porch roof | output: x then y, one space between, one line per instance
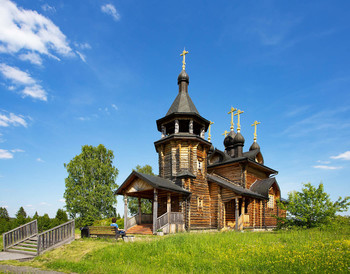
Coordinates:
154 181
237 189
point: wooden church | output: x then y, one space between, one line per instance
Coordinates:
199 186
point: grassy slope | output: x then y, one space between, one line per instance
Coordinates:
292 251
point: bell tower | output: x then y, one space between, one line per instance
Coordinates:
182 148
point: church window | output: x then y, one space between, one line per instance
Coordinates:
271 201
200 165
200 203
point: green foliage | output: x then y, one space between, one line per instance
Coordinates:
108 221
61 216
44 223
21 217
90 184
133 203
4 215
312 207
294 251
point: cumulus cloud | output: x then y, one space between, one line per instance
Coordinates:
342 156
111 10
40 160
5 154
12 120
328 167
22 78
62 200
22 29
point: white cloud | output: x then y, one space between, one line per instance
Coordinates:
62 200
114 106
5 154
323 162
16 75
5 206
12 119
22 29
17 150
111 10
40 160
82 56
342 156
29 206
19 77
32 57
328 167
48 8
82 45
36 91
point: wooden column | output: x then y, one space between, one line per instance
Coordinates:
140 213
237 213
243 211
254 213
168 210
155 210
125 212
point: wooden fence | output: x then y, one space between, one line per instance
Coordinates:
20 234
170 218
56 236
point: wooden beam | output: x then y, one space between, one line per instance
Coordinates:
125 212
237 213
168 209
140 212
155 210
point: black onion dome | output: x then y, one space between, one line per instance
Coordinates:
254 146
239 139
183 76
228 141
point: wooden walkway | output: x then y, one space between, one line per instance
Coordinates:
7 256
143 229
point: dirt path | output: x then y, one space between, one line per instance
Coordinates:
24 269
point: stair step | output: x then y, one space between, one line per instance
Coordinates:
23 248
22 252
26 244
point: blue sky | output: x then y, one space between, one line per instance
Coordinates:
102 72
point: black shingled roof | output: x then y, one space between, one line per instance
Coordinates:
154 181
237 189
182 104
262 186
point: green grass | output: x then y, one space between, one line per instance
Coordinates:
295 251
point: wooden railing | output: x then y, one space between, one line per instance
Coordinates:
56 236
172 218
135 220
162 220
176 218
132 220
20 234
146 218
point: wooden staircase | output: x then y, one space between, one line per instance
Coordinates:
29 247
143 229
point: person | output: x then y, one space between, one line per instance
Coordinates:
120 232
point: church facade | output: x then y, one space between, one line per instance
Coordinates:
199 186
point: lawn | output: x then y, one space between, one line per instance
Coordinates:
294 251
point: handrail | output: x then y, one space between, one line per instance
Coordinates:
170 218
19 234
162 220
56 236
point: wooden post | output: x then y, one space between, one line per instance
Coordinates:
125 212
140 213
237 213
260 214
264 214
253 213
168 210
155 210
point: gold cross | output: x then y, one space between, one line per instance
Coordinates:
209 135
225 133
254 125
231 112
183 54
239 112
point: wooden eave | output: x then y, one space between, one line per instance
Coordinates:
182 137
182 115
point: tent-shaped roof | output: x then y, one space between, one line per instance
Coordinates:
182 104
262 186
154 181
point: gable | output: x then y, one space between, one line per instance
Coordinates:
138 185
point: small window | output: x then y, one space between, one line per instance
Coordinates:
271 201
200 165
200 203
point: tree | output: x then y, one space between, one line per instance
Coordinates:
4 215
21 217
90 184
44 222
133 203
312 207
61 216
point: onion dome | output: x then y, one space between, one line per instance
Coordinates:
183 77
254 146
228 141
239 139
